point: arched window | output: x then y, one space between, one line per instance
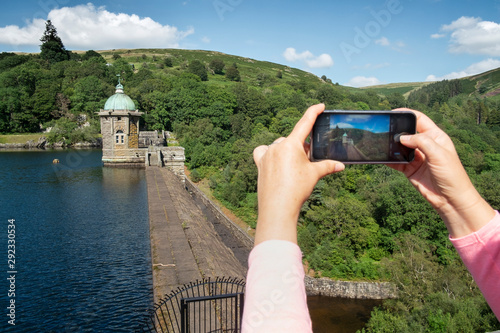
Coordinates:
119 137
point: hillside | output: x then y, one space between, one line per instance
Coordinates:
402 88
251 70
486 84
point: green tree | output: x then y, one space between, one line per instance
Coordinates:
168 62
285 121
396 100
122 67
92 54
11 60
157 112
88 95
217 65
52 48
196 67
233 74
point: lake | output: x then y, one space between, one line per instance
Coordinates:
78 236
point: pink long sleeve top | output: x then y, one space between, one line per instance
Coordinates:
275 297
480 252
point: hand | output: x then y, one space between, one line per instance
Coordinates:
439 176
286 179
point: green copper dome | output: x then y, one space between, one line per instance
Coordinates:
119 101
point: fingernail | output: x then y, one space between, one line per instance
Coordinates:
405 137
339 167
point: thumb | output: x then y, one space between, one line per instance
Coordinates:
326 167
425 143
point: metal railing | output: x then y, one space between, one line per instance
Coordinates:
201 306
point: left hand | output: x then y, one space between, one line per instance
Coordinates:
286 179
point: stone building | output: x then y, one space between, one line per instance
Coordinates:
124 145
120 131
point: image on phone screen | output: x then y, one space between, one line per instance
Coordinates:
362 137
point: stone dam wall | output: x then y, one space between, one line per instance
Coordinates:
232 235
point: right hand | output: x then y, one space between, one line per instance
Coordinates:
439 176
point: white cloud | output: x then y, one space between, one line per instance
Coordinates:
322 61
437 36
291 55
383 41
462 23
363 81
344 125
396 46
473 69
473 35
89 27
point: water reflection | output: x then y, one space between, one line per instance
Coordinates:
339 315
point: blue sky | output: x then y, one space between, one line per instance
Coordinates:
357 42
375 124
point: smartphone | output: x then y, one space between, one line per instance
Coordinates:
362 137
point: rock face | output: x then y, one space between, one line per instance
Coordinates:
349 289
40 144
43 143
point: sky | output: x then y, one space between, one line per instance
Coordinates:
375 124
355 43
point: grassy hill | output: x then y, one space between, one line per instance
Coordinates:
486 84
251 70
404 88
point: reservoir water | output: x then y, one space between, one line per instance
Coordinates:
74 237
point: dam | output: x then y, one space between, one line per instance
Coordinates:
185 245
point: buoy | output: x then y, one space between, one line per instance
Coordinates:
55 161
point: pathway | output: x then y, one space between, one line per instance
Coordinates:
184 246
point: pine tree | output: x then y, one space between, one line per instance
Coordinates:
52 48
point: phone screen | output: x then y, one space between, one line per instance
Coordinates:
362 136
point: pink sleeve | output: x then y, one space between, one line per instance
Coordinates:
480 252
275 296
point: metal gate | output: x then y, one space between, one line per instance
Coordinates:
201 306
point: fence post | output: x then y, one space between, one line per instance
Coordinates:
184 316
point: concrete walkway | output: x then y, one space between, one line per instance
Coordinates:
184 246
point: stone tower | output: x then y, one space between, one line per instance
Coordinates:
120 131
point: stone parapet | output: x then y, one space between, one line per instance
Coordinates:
349 289
245 239
172 158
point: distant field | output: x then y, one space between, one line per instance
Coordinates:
19 138
403 88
